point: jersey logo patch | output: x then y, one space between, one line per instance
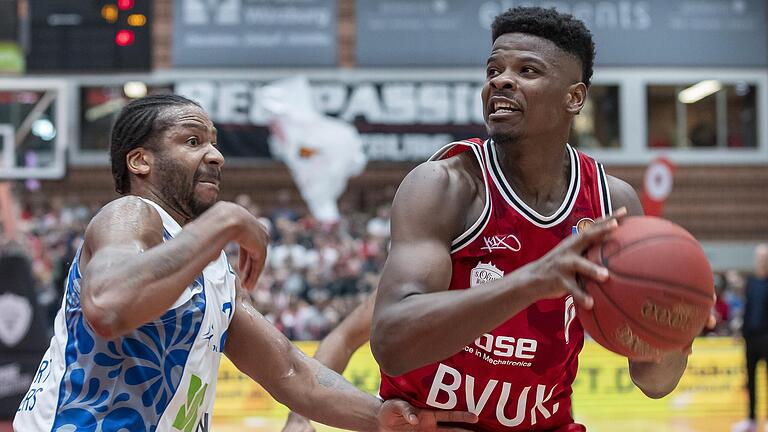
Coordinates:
186 418
582 225
483 273
502 242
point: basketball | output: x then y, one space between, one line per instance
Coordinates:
659 293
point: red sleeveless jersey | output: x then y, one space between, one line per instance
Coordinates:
517 377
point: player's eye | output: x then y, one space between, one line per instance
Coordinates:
527 69
193 141
491 72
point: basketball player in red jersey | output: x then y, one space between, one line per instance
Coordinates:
475 308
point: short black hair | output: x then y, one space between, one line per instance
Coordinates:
565 31
137 122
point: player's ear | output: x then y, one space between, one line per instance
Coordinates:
577 96
139 161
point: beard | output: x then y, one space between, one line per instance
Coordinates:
178 190
503 137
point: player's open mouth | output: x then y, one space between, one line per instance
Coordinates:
500 107
213 183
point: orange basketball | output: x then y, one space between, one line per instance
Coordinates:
659 293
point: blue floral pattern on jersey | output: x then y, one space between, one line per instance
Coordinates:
125 383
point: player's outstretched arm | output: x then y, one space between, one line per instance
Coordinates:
313 390
336 350
658 378
130 276
415 317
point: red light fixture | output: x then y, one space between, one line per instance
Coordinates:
125 38
125 4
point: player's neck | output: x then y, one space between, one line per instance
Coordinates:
177 214
539 173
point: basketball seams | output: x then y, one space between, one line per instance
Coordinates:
604 339
685 288
641 325
629 245
606 263
637 310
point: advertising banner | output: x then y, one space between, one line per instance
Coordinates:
402 120
713 385
230 33
626 32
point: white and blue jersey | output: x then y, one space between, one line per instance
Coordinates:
159 377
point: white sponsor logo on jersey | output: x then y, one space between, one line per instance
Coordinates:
483 273
528 406
502 242
504 350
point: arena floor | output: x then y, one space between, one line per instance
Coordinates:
717 424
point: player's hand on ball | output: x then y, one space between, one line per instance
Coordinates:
558 272
397 415
712 320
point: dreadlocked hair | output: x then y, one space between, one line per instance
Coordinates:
137 122
565 31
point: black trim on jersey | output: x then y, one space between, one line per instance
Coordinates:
479 225
520 206
605 194
484 217
481 222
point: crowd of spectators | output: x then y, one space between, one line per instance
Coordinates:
315 273
314 276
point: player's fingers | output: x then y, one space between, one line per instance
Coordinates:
593 234
253 273
579 296
242 258
245 270
688 350
711 322
586 268
259 261
619 215
455 417
407 411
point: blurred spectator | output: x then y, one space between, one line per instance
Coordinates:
755 330
721 309
734 297
284 208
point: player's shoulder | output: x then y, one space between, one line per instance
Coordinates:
454 177
623 195
125 214
126 209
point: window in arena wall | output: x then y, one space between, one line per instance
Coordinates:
597 126
31 115
704 115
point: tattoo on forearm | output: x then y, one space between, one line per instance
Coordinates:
328 378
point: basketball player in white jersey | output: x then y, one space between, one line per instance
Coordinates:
151 302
